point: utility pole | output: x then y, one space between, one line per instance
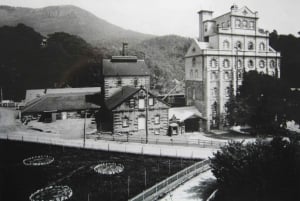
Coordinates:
147 115
85 113
1 96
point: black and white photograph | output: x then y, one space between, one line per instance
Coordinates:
149 100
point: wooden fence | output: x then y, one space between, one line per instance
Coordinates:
167 185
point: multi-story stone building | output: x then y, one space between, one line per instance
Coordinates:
228 46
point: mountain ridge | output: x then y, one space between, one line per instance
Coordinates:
69 19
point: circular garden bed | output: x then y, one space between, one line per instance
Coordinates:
109 168
38 160
52 193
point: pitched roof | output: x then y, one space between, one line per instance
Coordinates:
119 97
124 65
32 94
184 113
60 102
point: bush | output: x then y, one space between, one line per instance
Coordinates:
264 170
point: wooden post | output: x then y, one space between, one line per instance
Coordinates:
146 115
84 129
128 186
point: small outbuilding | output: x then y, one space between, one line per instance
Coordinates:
185 119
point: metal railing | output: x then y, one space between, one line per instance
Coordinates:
157 191
164 141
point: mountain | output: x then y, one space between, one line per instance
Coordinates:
72 20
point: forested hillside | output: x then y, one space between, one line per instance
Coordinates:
69 61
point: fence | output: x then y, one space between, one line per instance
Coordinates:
172 182
166 141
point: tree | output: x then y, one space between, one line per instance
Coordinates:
257 171
261 102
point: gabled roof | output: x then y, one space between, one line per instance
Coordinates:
125 66
197 47
61 102
122 95
184 113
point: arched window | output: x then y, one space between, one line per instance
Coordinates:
226 75
238 23
226 63
227 91
214 75
194 94
250 63
193 61
191 73
239 63
262 63
272 64
262 46
226 45
250 46
215 91
239 75
213 63
238 45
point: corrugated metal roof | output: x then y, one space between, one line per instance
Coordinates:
124 67
119 97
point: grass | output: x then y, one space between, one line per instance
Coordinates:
74 167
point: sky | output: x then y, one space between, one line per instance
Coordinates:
164 17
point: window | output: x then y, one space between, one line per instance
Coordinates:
238 45
131 103
119 82
223 25
215 91
262 46
214 76
272 64
151 102
226 63
239 75
196 73
193 61
239 63
250 46
226 44
245 24
125 122
194 94
205 27
141 103
135 82
157 119
191 73
226 75
156 131
238 23
227 91
194 49
251 25
261 63
213 63
250 64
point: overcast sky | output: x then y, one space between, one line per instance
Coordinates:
162 17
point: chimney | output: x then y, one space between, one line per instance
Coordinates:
204 15
124 46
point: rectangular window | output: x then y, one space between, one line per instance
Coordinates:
119 82
135 82
157 119
131 103
151 103
141 103
125 122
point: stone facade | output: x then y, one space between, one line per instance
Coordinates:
129 117
227 47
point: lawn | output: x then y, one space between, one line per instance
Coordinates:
74 167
